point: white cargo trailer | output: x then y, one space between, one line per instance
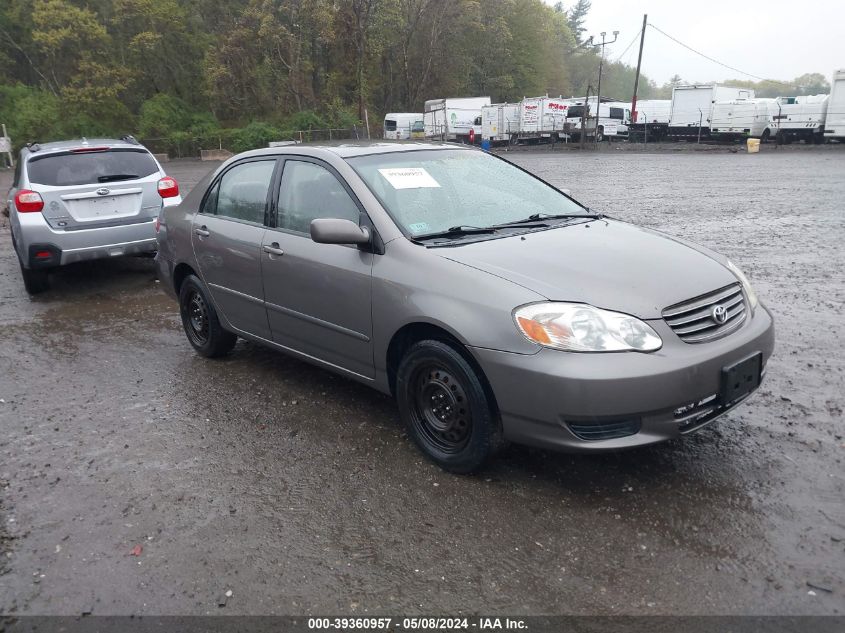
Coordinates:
834 125
652 120
654 111
692 107
499 121
739 118
452 119
399 126
542 117
799 118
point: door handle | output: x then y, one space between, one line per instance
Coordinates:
202 231
273 249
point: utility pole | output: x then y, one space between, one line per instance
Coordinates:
583 138
637 76
598 89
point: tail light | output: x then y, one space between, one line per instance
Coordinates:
27 201
168 187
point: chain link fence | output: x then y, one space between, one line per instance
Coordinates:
185 145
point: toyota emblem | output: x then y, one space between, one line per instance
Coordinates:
719 314
103 191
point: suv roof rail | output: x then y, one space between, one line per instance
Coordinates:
129 139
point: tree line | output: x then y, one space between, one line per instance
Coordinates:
165 68
247 71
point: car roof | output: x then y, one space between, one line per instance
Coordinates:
350 149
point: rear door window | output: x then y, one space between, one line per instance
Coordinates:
67 169
242 192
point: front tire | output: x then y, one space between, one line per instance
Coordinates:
445 407
199 318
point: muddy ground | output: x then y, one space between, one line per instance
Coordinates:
298 491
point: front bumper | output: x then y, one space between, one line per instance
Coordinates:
555 399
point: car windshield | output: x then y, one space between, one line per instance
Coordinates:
68 168
429 191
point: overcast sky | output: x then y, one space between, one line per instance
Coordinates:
775 39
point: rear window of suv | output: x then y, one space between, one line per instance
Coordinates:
86 168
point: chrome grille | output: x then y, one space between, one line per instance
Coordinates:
694 322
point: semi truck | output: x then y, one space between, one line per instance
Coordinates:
454 119
499 122
834 125
400 126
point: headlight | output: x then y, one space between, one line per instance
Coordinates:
746 285
578 327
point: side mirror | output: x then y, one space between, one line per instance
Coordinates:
337 231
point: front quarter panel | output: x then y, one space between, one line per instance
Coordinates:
414 284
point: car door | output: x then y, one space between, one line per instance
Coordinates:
227 237
318 296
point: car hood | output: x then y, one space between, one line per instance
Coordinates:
606 263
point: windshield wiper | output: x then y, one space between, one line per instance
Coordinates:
112 177
457 231
534 217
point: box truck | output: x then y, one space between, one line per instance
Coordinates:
400 126
453 119
542 117
499 121
692 108
798 118
834 125
613 120
742 118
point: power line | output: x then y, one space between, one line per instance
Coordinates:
715 61
636 37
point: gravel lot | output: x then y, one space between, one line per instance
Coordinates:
298 491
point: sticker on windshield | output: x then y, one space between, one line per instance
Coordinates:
408 178
418 227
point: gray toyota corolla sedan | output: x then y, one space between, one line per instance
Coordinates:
490 304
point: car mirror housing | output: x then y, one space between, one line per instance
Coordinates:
337 231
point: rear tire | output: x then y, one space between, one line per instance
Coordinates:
199 318
35 281
445 407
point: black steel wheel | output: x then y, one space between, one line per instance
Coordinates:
448 412
199 319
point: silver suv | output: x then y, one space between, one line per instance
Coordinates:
86 199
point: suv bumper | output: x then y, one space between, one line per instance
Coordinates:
66 247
